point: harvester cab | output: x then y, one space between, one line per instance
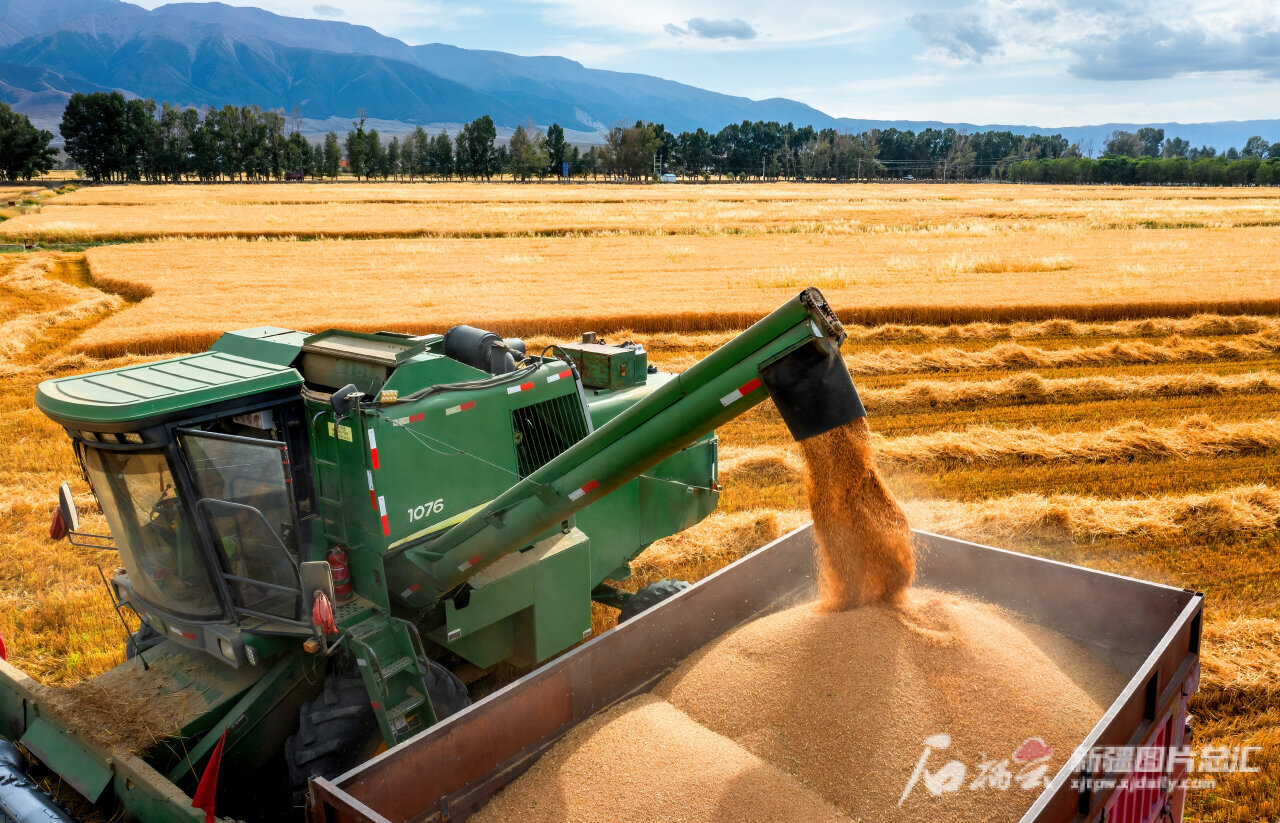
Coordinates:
321 532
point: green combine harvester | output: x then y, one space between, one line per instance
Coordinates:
327 537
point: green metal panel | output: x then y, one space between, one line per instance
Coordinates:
527 607
64 754
152 390
613 524
266 344
606 404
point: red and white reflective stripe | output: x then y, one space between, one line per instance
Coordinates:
461 407
413 418
382 512
520 388
566 373
586 487
740 392
409 591
373 498
182 633
373 448
471 561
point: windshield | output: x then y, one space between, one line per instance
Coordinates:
138 498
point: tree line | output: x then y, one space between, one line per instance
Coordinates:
112 138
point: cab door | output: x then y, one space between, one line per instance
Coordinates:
246 499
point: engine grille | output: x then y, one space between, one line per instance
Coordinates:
544 430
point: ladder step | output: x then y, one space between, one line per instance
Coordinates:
398 666
404 707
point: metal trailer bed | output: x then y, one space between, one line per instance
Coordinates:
1148 632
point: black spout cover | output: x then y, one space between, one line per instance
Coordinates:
812 389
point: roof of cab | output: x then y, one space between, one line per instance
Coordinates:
150 390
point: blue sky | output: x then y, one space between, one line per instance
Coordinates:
1038 62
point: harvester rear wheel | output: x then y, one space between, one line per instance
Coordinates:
448 693
337 730
649 596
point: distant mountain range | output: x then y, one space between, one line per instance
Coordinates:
214 54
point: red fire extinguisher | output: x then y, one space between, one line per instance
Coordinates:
341 574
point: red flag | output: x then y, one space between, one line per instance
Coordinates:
58 528
208 788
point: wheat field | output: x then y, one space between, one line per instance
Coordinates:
1087 374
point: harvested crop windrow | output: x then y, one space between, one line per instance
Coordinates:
1200 325
1032 389
1238 510
1134 440
1015 356
51 303
864 542
715 542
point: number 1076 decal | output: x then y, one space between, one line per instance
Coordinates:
434 507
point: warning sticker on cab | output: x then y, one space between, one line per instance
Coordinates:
344 433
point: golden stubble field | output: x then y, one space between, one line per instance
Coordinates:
1089 374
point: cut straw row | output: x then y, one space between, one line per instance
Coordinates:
1173 350
1032 389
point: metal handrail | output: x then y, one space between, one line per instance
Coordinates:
377 666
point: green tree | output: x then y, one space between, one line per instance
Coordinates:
391 166
356 147
1151 140
442 159
1124 144
557 153
407 148
93 127
332 153
629 150
476 153
421 152
528 154
24 150
1175 147
1255 147
375 155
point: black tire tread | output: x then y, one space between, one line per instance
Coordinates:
649 596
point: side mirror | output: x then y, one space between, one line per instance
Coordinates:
343 400
314 575
67 505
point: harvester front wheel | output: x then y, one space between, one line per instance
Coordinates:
649 596
337 730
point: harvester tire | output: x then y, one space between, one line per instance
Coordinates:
337 730
649 596
141 640
448 693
